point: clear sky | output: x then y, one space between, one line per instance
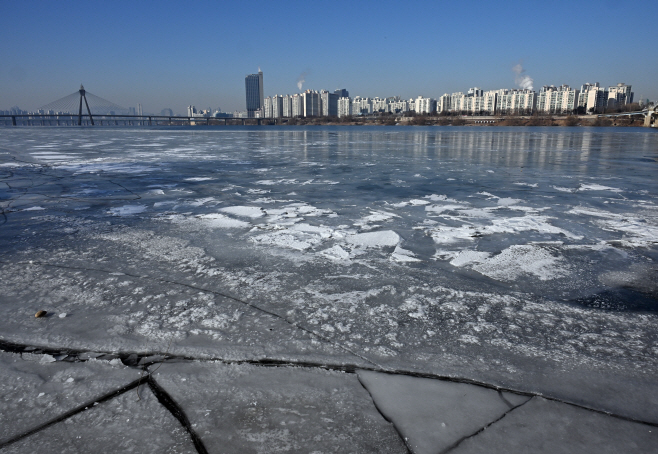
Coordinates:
174 53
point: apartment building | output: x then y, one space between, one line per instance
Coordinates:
557 100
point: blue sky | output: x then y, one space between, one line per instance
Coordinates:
171 54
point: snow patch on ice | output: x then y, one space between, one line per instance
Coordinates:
219 221
597 187
335 253
469 257
127 210
381 238
519 260
403 255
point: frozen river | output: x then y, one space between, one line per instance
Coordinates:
523 258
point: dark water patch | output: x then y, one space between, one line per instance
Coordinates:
620 300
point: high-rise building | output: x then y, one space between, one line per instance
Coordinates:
329 104
593 98
344 107
558 100
342 93
277 106
620 95
361 106
297 102
254 92
267 108
311 103
287 106
516 101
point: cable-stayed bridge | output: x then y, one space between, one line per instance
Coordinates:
73 104
83 108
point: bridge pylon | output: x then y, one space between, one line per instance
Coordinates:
83 94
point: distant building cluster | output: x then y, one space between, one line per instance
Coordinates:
14 111
192 111
591 98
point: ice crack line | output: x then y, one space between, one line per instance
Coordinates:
70 413
163 398
215 292
474 434
146 359
127 190
170 404
381 413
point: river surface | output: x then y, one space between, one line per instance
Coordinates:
523 257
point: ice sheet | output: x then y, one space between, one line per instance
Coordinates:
433 415
127 423
237 409
396 248
542 426
35 388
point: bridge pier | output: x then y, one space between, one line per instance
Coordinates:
649 120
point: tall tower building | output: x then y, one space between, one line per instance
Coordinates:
254 90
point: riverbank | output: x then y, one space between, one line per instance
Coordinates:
422 120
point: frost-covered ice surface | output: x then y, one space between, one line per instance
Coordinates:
243 408
124 424
37 388
563 429
523 259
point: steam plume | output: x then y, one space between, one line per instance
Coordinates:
300 80
522 80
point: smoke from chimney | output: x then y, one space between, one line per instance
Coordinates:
522 80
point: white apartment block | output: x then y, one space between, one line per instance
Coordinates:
516 101
490 102
398 106
380 105
443 104
620 95
312 103
593 97
287 106
361 106
424 105
267 107
344 107
475 101
559 100
277 106
456 102
297 105
329 102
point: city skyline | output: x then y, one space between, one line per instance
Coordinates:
165 55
